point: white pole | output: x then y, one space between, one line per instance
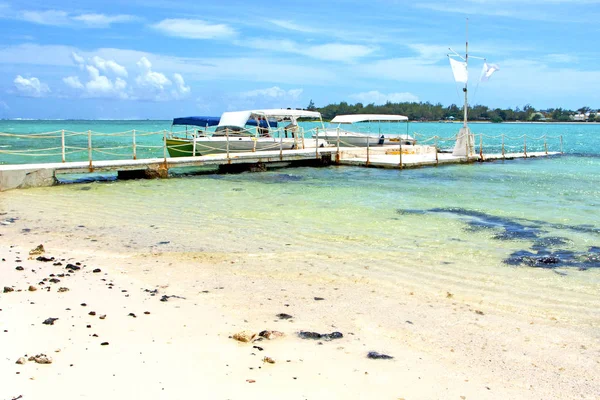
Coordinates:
90 149
62 139
134 147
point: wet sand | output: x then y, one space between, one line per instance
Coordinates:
443 344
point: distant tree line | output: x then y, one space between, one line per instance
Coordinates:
437 112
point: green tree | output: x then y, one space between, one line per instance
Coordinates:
311 106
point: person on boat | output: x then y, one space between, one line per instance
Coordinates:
263 129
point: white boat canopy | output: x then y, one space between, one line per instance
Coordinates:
240 118
282 114
352 119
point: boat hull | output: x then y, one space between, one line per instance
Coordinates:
352 139
182 147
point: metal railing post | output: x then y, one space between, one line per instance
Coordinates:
62 145
134 147
317 145
436 150
337 156
503 146
525 145
546 144
194 145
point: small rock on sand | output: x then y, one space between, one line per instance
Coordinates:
49 321
270 335
21 360
378 356
32 288
37 251
8 289
41 359
244 336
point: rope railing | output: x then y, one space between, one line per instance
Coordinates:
133 144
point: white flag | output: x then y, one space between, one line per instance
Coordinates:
459 69
488 70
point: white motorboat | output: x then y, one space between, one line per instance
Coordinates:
245 131
353 137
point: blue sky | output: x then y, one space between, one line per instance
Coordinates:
160 59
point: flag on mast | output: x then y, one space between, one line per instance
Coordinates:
459 69
488 70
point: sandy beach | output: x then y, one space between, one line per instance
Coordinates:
142 325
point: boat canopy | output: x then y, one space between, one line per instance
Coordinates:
352 119
285 114
213 121
267 117
198 121
240 119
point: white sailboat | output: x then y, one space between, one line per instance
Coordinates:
465 141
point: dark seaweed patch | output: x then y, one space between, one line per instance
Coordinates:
545 252
510 229
410 211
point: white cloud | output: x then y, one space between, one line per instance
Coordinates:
108 66
181 90
289 25
49 17
30 87
77 59
102 20
63 18
73 82
149 79
329 51
274 93
193 29
376 97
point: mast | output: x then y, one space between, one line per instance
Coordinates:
467 67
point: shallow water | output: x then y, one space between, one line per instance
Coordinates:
519 235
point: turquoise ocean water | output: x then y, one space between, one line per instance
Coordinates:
520 233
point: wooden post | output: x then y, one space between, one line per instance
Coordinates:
436 150
165 147
561 145
368 150
62 139
503 146
525 145
317 145
481 146
337 155
227 138
90 150
545 145
134 147
400 145
280 146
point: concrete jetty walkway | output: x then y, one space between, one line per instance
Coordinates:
38 175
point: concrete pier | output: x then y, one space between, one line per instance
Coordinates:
39 175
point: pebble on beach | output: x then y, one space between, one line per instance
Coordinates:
378 356
270 335
41 359
244 336
49 321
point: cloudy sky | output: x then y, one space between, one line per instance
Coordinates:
160 59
